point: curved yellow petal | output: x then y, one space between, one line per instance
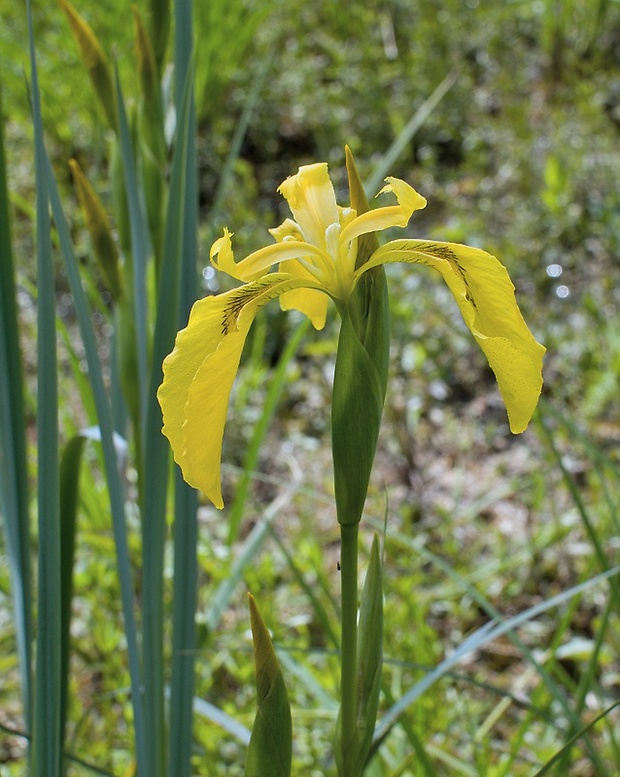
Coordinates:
309 301
222 257
312 201
256 264
287 229
390 216
199 373
485 295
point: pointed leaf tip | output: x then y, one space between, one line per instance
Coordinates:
271 745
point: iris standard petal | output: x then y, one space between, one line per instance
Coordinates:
199 373
485 296
311 198
389 216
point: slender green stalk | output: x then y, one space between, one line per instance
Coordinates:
348 649
14 502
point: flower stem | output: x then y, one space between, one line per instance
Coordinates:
348 648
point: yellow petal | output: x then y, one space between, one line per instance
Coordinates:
312 201
199 373
223 259
485 295
255 265
310 302
287 229
391 216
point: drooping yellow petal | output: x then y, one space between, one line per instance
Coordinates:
485 296
199 373
312 201
310 302
390 216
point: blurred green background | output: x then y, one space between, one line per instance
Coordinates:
519 156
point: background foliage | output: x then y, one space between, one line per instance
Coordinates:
521 157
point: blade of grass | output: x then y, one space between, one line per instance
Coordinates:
112 466
237 140
580 505
384 165
260 430
152 508
486 634
69 489
247 552
324 619
185 529
578 735
13 467
46 742
140 250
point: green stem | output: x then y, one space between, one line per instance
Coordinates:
348 649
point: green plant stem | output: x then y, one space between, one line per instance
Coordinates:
348 649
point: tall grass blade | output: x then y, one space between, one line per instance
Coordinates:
236 142
384 165
112 466
269 408
486 634
251 546
69 490
185 530
46 742
575 738
13 468
140 250
150 473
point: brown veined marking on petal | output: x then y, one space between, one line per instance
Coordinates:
240 298
448 255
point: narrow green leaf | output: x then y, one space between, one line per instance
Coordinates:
270 750
384 165
276 384
140 250
185 529
46 741
13 469
575 738
111 460
69 489
251 546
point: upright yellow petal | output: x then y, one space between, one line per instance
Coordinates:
199 373
389 216
485 295
312 201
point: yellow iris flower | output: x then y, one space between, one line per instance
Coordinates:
317 258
